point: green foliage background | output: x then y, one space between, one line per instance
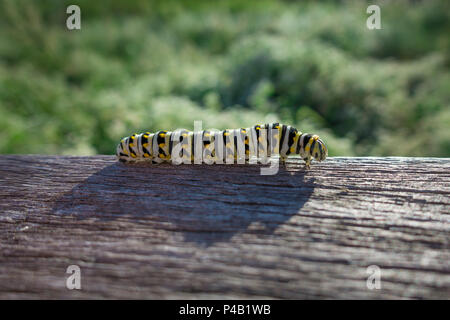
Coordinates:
148 65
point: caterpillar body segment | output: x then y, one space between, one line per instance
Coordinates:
257 143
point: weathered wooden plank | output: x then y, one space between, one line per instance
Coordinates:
204 231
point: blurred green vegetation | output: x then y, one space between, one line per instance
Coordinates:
149 65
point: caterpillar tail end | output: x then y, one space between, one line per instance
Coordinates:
121 155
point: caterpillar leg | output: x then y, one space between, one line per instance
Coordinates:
307 162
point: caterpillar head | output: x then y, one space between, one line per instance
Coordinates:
318 149
311 146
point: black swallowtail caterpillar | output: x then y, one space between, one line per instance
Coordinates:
226 146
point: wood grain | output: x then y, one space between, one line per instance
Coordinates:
223 232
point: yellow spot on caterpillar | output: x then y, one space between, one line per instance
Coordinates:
131 145
145 145
133 155
308 145
226 134
161 156
292 149
146 155
161 145
162 135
